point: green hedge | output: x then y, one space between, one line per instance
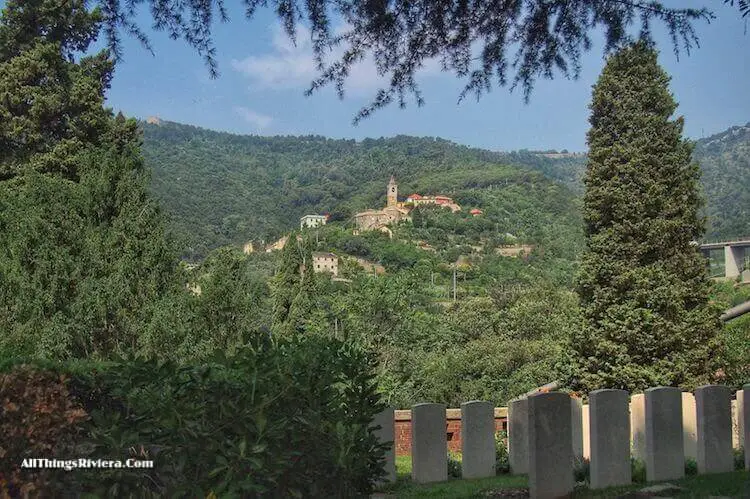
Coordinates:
280 419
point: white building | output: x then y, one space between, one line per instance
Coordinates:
311 221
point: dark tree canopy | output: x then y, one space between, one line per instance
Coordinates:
83 252
642 283
480 41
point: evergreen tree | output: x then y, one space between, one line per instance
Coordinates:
83 254
642 283
52 106
230 305
293 287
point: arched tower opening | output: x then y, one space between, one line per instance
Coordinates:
392 192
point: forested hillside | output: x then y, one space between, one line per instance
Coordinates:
220 188
724 159
227 189
492 330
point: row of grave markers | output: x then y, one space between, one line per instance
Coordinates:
547 432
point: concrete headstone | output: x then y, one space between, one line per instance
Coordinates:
518 436
745 418
386 434
477 439
610 438
689 426
429 444
638 426
665 451
576 421
735 424
713 405
586 420
550 445
740 421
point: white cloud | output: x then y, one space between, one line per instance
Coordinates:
290 66
287 66
259 121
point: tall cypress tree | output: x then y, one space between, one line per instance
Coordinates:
642 284
83 254
293 287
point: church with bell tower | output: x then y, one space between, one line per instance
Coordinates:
392 213
392 193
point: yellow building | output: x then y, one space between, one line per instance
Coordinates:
326 262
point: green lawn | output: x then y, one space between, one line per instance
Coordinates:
455 488
735 484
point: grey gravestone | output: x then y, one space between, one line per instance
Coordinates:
746 423
550 445
610 438
713 405
429 444
740 421
518 436
386 434
477 439
665 452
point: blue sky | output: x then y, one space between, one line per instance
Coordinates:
263 79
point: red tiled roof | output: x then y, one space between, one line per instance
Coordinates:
415 196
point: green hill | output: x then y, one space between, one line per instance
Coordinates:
724 159
451 318
223 189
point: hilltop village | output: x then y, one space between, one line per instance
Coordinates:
393 212
396 211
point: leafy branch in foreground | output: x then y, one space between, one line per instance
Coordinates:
480 41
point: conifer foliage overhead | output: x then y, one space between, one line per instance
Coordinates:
642 284
483 42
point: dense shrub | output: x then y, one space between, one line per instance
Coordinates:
288 419
739 459
581 470
502 459
455 469
691 467
637 470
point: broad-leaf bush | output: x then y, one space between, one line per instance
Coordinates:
279 419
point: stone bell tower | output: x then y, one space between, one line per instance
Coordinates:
392 192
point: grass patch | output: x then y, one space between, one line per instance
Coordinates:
403 466
735 484
404 487
454 488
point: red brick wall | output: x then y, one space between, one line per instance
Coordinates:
402 426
